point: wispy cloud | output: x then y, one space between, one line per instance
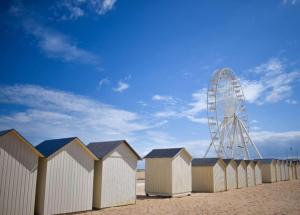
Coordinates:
292 2
74 9
274 83
57 45
53 113
103 82
122 86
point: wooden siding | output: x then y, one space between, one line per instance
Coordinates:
231 176
219 177
290 172
66 185
242 175
282 171
158 177
258 174
181 174
286 171
18 172
118 185
250 175
97 184
268 172
202 179
278 171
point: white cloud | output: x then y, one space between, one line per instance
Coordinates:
274 83
74 9
57 45
163 98
103 82
122 86
191 111
275 138
292 2
48 113
291 101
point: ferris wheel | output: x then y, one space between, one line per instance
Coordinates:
227 117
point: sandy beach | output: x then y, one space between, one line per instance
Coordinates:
277 198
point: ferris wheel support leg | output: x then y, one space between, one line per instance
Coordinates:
256 149
247 155
208 149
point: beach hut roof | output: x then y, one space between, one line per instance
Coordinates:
49 147
101 149
205 161
265 161
239 161
23 138
248 161
227 161
165 153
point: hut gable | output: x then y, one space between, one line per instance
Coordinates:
164 153
120 148
50 148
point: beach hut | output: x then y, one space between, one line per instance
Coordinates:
258 172
250 173
231 174
241 173
286 170
268 168
298 169
65 177
282 171
291 175
115 173
278 170
208 175
168 172
294 169
18 173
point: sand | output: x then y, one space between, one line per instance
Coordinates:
277 198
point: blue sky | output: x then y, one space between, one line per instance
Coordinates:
138 70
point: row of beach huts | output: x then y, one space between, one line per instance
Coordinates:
64 175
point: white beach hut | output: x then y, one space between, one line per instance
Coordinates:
258 172
231 174
115 173
286 170
241 173
250 173
282 171
268 167
65 177
168 172
298 169
291 172
18 173
208 175
278 170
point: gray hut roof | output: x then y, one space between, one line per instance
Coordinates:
49 147
5 131
239 161
227 161
204 161
163 153
265 161
248 161
101 149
